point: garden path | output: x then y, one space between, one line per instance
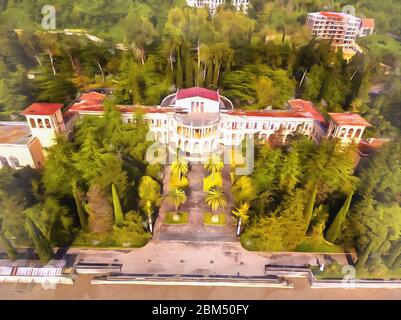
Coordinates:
195 230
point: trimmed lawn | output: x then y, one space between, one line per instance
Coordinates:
335 272
318 245
176 218
212 181
207 219
118 238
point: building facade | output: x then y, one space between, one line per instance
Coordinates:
241 5
341 29
197 121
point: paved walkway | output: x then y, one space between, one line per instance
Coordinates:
195 230
198 257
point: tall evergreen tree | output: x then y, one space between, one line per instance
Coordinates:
335 227
42 245
118 212
309 207
6 244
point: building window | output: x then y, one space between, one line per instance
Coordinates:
342 134
33 123
47 122
350 132
14 162
255 126
4 162
358 134
40 123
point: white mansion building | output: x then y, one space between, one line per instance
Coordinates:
213 4
196 120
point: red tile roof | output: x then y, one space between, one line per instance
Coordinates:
91 101
334 15
370 146
299 105
42 109
349 119
264 113
198 92
368 23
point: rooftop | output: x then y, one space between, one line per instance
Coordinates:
198 92
42 109
15 133
368 23
333 15
91 101
349 119
307 108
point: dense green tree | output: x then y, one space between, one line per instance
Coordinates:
42 245
7 245
149 193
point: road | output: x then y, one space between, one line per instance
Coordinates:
180 257
83 290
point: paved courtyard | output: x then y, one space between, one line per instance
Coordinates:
195 230
199 257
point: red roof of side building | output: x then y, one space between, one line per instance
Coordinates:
368 23
347 118
299 105
42 109
198 92
91 101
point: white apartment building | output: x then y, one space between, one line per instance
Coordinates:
341 28
213 4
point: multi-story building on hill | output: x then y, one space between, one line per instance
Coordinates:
198 121
341 29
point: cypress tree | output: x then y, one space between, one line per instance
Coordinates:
335 227
308 211
42 246
395 252
364 256
397 263
179 74
80 209
118 212
11 252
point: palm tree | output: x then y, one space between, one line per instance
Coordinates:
179 168
215 199
177 197
214 165
241 214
